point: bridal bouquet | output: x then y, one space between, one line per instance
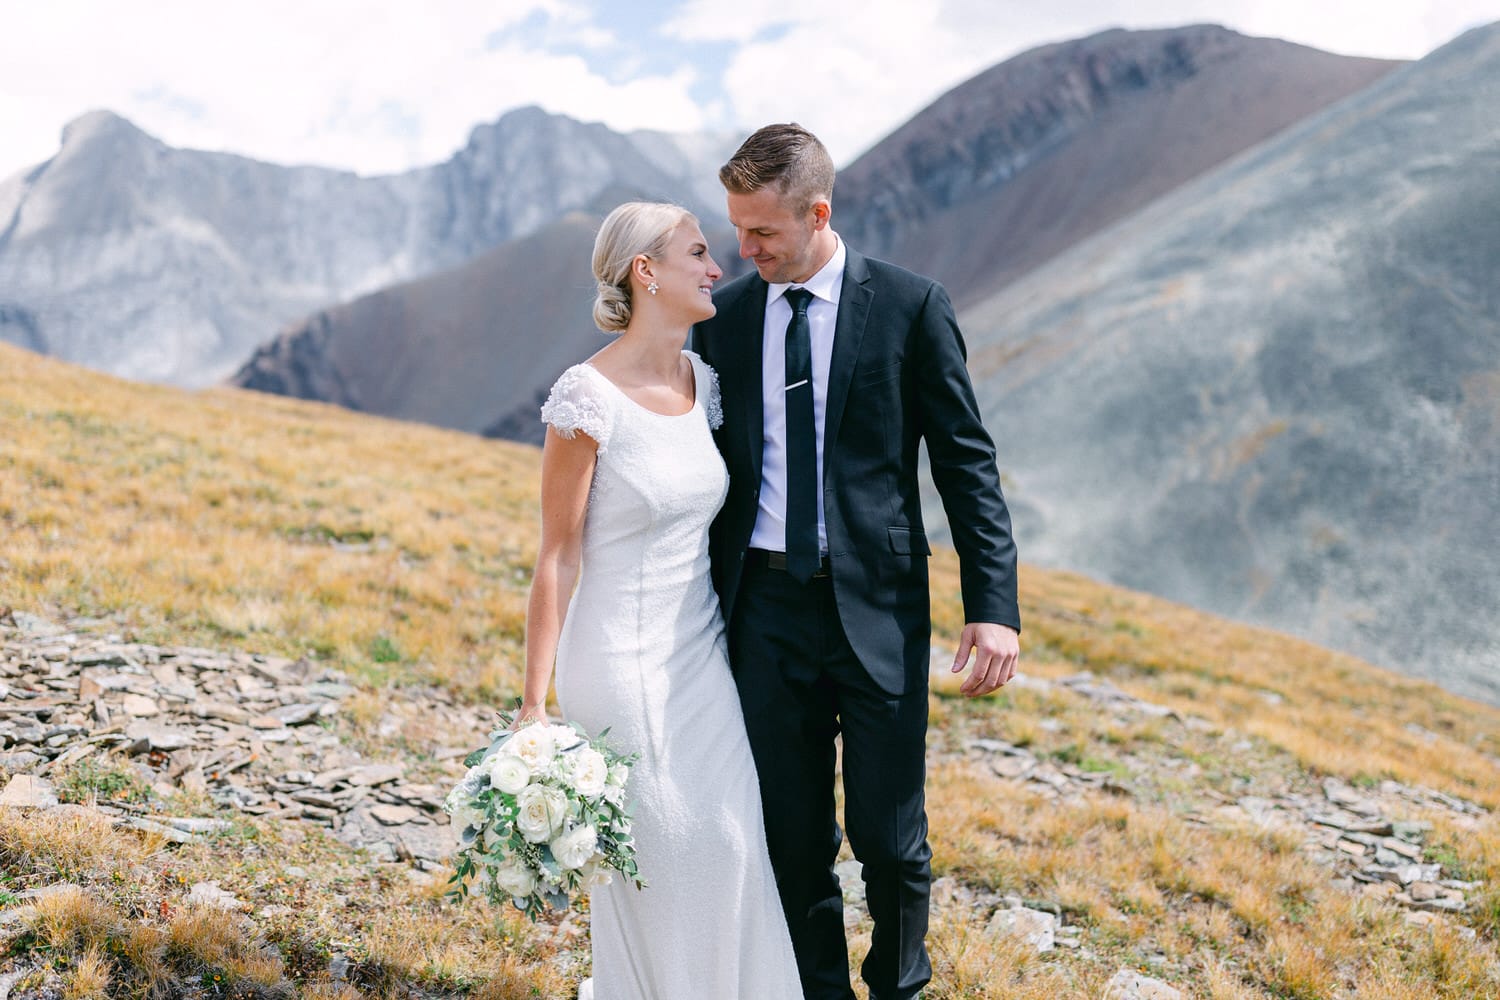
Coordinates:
541 815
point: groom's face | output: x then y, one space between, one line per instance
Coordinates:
779 240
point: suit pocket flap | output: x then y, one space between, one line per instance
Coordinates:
905 542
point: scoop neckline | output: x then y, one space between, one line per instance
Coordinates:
697 395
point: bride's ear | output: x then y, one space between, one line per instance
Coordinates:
641 268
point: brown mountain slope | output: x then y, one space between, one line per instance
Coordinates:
1275 393
1182 793
460 349
1033 155
992 179
473 348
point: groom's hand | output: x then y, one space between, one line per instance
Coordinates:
996 650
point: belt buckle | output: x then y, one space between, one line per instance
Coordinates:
777 561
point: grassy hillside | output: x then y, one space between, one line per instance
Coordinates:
400 554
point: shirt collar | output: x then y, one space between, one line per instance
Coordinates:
824 285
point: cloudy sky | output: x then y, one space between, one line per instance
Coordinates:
378 86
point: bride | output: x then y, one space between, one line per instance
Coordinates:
630 482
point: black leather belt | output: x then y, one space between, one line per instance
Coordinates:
766 559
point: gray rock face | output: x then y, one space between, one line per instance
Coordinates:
457 349
474 348
239 728
1276 392
961 192
173 265
1041 151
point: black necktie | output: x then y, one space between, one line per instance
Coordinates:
801 444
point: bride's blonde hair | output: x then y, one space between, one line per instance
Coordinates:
633 229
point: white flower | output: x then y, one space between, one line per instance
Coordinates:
466 814
564 737
574 848
540 812
594 875
491 837
618 775
515 878
463 792
508 772
562 415
588 772
534 745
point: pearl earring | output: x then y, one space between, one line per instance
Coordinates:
652 287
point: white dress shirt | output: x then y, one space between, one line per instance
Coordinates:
822 312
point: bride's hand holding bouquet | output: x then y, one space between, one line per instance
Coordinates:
541 816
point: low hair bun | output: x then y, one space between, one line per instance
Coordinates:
611 308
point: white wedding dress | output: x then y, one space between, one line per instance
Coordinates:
643 653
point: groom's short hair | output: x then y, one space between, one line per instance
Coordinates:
788 158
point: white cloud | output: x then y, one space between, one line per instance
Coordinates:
377 86
382 85
715 21
853 71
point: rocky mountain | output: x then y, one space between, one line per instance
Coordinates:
174 265
1039 152
971 190
474 348
1275 393
454 349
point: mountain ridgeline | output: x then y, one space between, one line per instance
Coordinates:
1037 153
174 265
1230 303
1008 169
1275 392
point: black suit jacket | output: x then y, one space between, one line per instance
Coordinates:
897 376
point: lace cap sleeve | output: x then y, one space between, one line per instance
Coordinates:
713 403
576 403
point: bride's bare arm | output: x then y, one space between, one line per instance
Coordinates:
567 471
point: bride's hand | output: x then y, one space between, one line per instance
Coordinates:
528 714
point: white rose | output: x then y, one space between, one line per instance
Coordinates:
594 875
533 744
588 772
508 773
466 815
574 848
515 878
540 812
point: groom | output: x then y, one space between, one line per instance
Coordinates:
833 367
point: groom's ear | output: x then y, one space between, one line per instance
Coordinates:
822 212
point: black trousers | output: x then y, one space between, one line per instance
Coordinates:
801 685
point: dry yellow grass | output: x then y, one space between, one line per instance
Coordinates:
225 517
1335 713
90 978
402 553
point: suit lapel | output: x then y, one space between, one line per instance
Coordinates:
855 296
748 328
